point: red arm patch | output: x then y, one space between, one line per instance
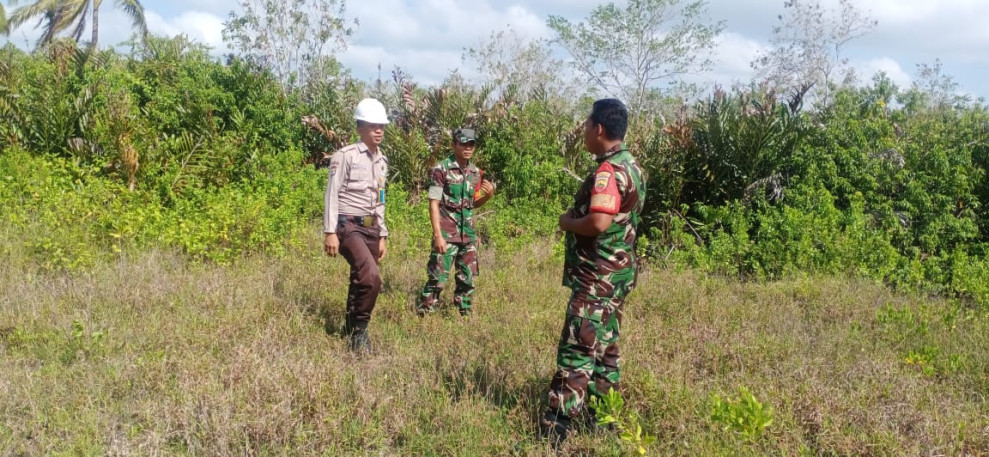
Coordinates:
480 179
604 195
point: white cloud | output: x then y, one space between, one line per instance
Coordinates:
949 29
202 27
438 23
427 38
869 68
219 8
910 13
734 55
427 67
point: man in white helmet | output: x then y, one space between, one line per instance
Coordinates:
354 216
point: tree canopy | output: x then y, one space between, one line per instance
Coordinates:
626 51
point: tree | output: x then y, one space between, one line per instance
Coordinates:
58 16
625 52
932 88
807 45
294 38
514 64
4 30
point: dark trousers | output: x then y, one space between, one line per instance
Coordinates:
359 245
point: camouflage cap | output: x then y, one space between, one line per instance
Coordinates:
463 135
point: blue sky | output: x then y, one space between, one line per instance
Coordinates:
426 38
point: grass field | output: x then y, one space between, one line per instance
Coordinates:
152 354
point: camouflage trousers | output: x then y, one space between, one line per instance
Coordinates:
463 257
587 356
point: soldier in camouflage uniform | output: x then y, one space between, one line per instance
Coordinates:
456 187
600 269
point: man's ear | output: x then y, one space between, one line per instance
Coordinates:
599 130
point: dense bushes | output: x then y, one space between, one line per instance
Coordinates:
167 147
857 187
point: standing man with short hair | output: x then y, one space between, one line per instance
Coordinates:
456 188
354 217
600 269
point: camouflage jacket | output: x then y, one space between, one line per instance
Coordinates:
603 268
455 188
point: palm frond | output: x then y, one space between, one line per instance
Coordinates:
3 21
135 11
49 32
70 12
54 17
58 16
79 17
40 9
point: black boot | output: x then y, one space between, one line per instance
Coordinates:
348 326
555 428
359 340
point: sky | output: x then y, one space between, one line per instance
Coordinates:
427 38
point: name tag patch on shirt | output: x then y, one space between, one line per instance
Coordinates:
381 195
603 201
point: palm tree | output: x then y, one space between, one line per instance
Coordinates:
4 30
57 16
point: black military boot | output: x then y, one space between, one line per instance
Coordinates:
348 326
555 428
359 340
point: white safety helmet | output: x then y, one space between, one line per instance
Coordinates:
371 111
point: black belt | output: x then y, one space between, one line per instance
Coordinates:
363 221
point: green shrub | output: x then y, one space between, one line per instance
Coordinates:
744 415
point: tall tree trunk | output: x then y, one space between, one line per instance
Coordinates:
96 23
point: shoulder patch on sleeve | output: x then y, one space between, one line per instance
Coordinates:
604 195
336 160
601 180
602 176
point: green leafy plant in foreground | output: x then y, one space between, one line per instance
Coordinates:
745 415
610 410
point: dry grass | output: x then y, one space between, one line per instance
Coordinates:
171 357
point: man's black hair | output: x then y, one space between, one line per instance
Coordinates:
611 114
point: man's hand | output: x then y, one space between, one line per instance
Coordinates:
487 187
331 244
382 248
484 193
439 244
590 225
565 219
